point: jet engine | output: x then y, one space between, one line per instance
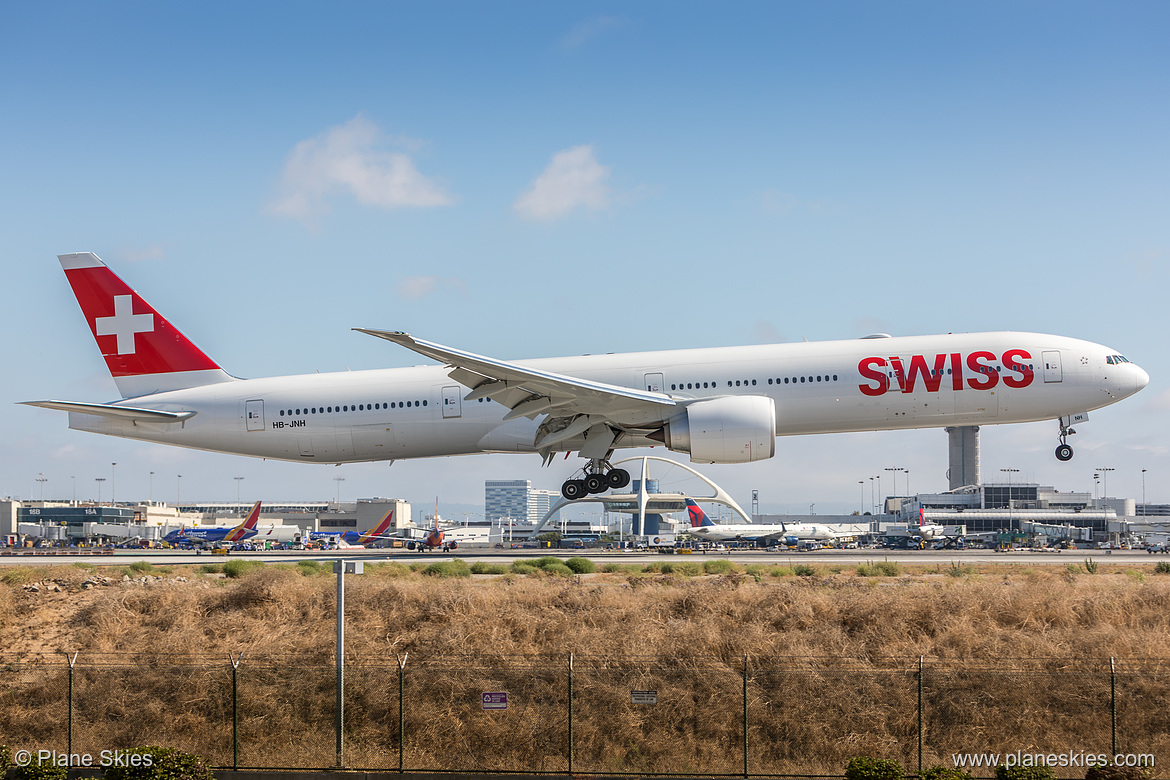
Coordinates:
731 429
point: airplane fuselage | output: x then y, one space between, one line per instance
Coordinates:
817 387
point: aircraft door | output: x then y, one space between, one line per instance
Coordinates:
451 400
654 383
1052 370
254 415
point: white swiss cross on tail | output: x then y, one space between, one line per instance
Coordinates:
124 324
144 352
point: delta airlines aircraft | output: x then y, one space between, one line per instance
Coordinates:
703 526
238 533
719 405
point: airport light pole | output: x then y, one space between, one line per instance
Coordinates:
150 493
99 480
238 480
178 491
908 493
862 504
1105 479
113 484
339 480
872 496
1143 492
74 478
42 479
894 476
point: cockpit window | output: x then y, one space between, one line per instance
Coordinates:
1109 359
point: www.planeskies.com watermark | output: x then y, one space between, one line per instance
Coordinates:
1071 758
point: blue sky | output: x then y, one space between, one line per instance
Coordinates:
536 179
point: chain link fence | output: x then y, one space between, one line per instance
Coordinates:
746 716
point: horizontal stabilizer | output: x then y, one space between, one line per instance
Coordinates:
131 413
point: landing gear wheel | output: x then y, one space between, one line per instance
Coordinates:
1064 453
596 483
618 478
573 489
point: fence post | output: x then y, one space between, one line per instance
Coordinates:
570 713
235 708
72 661
920 716
745 715
1113 703
401 709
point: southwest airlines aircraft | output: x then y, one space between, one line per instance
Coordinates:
719 405
238 533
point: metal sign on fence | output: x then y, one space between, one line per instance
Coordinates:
497 700
643 697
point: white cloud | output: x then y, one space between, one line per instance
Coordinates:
352 159
414 287
573 179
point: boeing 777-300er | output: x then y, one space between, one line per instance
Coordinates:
719 405
236 533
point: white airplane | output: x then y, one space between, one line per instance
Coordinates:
719 405
703 526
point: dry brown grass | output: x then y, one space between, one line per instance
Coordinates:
1015 659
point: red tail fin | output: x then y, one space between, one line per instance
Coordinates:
249 524
143 351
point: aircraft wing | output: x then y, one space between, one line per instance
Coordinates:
131 413
576 408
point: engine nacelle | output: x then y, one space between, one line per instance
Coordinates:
732 429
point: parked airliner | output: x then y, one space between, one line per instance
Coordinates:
350 540
204 535
703 526
719 405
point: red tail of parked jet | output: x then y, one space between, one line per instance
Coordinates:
240 532
377 531
699 518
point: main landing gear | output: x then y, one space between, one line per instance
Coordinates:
599 477
1064 451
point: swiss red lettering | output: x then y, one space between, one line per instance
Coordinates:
1013 360
932 379
982 371
986 377
868 370
956 371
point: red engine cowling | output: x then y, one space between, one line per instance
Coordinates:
732 429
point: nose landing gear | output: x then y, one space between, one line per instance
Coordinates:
1064 451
